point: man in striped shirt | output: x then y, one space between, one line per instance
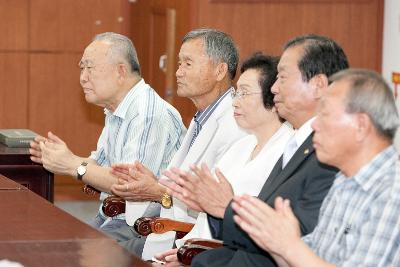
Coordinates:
139 124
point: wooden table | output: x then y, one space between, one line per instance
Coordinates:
36 233
15 163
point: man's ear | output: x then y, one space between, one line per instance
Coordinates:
221 71
122 72
319 83
363 126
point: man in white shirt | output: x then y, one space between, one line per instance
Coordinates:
139 124
208 61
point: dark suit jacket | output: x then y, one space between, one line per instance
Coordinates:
304 181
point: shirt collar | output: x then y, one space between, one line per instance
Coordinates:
372 172
303 132
202 116
126 102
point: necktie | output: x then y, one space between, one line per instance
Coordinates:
197 128
289 151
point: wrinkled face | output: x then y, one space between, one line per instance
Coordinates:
249 110
98 76
335 130
291 92
196 72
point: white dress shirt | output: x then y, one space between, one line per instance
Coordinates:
246 175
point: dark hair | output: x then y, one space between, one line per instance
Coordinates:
219 46
370 94
321 56
267 66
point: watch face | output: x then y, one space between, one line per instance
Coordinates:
81 170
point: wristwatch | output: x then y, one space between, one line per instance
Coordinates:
81 170
166 201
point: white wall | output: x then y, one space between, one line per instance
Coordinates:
391 47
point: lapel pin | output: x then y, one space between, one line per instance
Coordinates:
306 151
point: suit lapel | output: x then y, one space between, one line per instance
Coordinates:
182 152
207 134
279 176
274 173
202 141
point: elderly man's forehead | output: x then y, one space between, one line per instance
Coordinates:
96 49
340 86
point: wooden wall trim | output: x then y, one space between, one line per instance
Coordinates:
288 1
379 22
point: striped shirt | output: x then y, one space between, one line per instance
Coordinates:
143 127
201 117
396 260
359 223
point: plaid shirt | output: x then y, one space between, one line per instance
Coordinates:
359 221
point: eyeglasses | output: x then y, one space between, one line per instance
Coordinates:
240 94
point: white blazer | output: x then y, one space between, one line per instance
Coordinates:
216 136
246 175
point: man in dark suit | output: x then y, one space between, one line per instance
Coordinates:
303 71
304 68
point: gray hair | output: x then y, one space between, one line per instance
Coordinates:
370 94
219 47
121 46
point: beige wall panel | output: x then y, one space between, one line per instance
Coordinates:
14 24
267 26
70 25
57 102
13 90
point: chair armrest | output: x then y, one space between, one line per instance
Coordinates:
113 206
156 225
212 243
142 226
194 246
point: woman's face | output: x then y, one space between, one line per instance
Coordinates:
249 110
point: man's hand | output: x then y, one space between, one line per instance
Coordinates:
55 155
274 230
136 183
174 188
169 257
121 170
35 151
200 190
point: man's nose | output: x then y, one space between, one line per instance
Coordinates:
179 72
275 87
84 76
